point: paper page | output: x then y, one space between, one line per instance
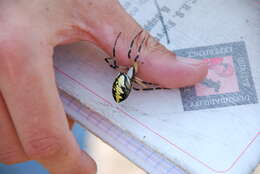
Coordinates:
212 127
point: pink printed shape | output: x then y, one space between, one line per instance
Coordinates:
221 77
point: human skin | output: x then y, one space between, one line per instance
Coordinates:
33 125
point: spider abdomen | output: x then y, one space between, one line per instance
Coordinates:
121 87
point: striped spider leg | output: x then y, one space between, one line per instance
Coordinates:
111 61
135 79
127 77
145 86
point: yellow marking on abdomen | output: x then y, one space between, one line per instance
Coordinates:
118 88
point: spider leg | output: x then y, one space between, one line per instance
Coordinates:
132 44
144 86
112 60
139 82
148 89
112 63
114 48
139 50
144 82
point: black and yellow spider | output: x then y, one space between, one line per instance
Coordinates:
127 76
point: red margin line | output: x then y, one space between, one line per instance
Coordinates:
156 133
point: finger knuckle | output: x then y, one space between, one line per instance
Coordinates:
17 58
43 147
152 45
12 59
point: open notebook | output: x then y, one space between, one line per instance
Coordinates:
212 127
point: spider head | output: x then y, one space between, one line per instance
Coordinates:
132 71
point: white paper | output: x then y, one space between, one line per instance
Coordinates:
205 137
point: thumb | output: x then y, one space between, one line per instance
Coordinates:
159 65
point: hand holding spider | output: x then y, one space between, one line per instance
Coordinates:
32 119
127 77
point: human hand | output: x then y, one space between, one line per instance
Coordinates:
33 125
